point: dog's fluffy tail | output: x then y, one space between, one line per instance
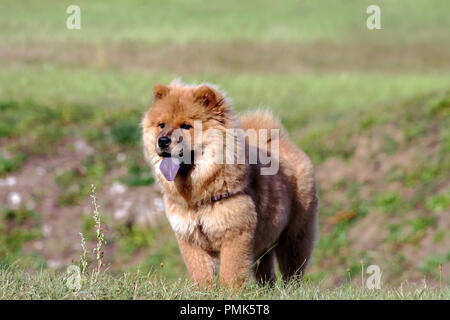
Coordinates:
296 163
263 119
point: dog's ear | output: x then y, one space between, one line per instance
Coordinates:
207 96
160 91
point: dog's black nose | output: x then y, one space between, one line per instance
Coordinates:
164 142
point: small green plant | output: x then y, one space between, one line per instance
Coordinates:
390 202
11 164
99 233
439 202
422 223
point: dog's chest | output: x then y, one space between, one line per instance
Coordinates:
202 228
210 225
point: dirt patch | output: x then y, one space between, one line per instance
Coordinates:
34 187
398 231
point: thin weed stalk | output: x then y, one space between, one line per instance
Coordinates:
362 274
99 234
83 256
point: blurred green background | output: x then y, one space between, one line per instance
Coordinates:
371 108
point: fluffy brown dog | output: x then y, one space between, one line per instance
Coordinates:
229 211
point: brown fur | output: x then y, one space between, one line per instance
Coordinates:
269 216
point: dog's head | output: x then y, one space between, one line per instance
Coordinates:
178 116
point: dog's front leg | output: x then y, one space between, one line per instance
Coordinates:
236 258
200 263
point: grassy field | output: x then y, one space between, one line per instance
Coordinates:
371 108
138 286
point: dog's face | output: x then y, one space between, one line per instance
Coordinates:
171 124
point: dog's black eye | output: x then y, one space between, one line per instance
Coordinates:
185 126
161 125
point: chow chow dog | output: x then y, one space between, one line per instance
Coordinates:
229 211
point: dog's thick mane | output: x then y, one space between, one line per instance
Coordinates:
206 178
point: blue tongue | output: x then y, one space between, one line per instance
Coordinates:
169 168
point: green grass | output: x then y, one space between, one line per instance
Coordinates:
318 100
204 21
50 285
